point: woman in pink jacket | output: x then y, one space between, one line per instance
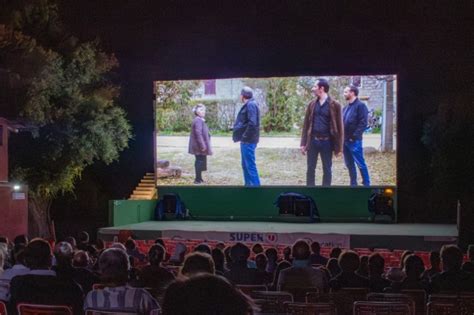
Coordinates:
200 141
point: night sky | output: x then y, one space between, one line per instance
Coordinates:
429 44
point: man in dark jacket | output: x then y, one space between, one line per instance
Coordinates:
322 132
355 122
246 130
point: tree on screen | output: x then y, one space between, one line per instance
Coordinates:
62 89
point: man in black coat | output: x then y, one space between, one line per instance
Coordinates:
355 122
247 131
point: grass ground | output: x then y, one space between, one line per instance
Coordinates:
276 166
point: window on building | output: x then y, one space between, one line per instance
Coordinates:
210 87
357 81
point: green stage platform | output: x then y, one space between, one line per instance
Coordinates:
248 214
353 235
238 203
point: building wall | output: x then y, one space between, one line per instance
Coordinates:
13 211
225 89
3 152
372 89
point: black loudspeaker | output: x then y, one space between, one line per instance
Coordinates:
287 205
302 207
169 204
381 208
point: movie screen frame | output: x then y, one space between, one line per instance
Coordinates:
282 104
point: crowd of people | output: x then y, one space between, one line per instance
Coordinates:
204 280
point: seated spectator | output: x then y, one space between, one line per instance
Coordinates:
335 253
205 294
363 269
203 248
221 246
316 258
84 243
348 262
262 275
302 274
333 267
177 258
197 262
82 272
435 261
219 261
64 269
395 274
132 250
272 259
99 246
71 240
119 246
287 254
239 272
257 248
376 268
228 260
41 285
282 265
117 295
5 253
155 275
17 269
20 240
468 266
161 242
452 278
414 268
403 257
81 259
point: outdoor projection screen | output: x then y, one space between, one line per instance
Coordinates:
282 102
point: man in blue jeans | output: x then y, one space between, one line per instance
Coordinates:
322 133
247 131
355 122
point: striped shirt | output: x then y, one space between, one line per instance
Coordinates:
123 299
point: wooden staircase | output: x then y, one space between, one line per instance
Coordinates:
146 189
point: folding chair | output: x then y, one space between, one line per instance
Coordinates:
386 308
248 289
310 308
37 309
392 297
3 308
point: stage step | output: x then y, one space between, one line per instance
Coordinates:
146 188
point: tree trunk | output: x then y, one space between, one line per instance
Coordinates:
387 126
40 218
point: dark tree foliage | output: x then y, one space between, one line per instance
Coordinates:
62 90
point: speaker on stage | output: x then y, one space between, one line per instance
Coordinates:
380 205
170 207
302 207
294 205
169 204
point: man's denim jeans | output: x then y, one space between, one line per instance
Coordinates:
317 147
354 155
249 167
